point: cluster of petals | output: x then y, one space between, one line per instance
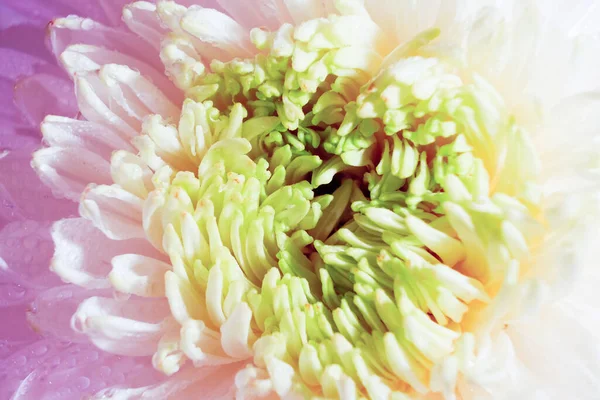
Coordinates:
308 199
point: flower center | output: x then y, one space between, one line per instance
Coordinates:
344 219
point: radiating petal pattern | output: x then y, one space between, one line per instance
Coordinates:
298 199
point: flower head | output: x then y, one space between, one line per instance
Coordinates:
338 205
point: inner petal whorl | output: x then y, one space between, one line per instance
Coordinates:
342 219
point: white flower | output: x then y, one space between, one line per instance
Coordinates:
378 199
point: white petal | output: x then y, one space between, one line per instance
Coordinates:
168 357
282 375
400 363
152 218
139 275
133 91
182 62
76 30
69 170
565 170
114 211
214 295
161 143
450 250
96 105
268 13
78 257
141 18
304 10
131 327
253 383
131 173
210 383
217 29
171 15
66 132
202 345
82 58
185 303
406 19
236 332
83 254
462 223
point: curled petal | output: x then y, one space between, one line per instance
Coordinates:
51 311
139 275
116 212
202 345
79 255
55 167
131 327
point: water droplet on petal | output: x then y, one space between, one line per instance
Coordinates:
104 371
40 350
82 383
20 361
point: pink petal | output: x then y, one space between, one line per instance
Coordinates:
133 91
213 383
303 10
204 3
15 64
9 347
24 196
44 11
98 105
8 110
83 253
269 13
26 248
113 9
10 17
16 136
12 294
18 329
75 372
68 170
82 58
142 19
91 9
76 30
217 30
14 132
50 313
66 132
132 326
42 94
21 363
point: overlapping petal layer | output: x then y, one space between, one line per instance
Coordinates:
349 203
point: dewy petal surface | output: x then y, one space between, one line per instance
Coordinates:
307 199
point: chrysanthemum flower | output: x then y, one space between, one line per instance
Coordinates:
332 199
